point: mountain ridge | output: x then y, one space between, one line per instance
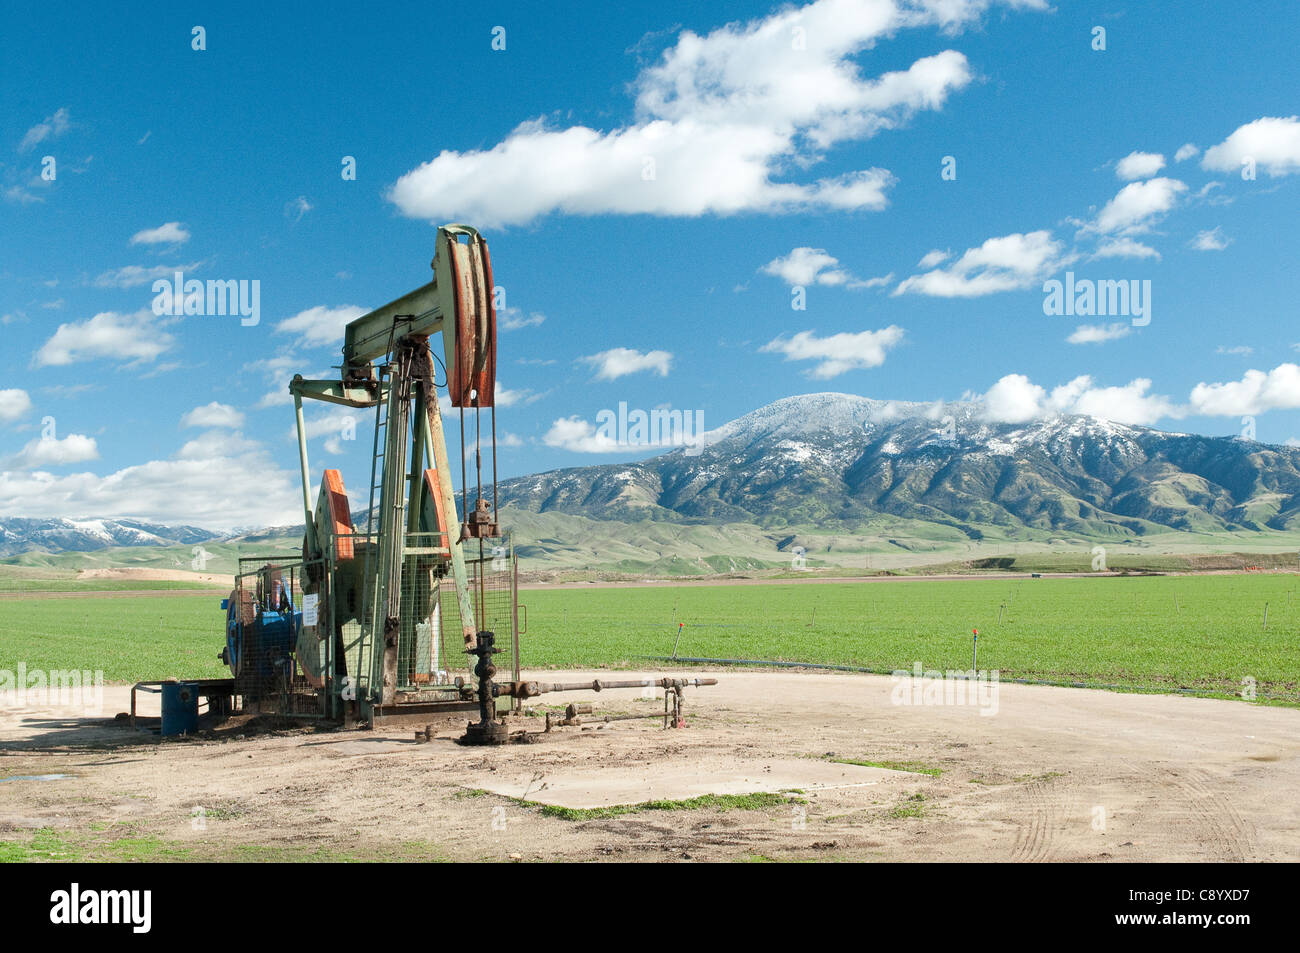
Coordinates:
837 459
845 463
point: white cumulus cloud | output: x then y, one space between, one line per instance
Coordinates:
320 326
232 484
131 337
1255 393
837 353
1137 206
169 233
1125 248
1017 399
1000 264
15 404
55 451
806 266
132 276
1273 142
1139 165
580 436
213 414
1099 333
719 119
512 319
620 361
1210 240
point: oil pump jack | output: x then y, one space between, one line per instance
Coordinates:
367 637
359 630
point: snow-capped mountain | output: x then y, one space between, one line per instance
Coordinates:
838 459
62 535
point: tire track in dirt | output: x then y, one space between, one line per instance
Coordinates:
1036 840
1224 828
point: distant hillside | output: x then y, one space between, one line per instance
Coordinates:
833 480
837 460
63 535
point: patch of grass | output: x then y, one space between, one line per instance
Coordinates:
464 793
414 851
49 845
757 801
144 849
914 806
915 767
281 854
46 845
1026 778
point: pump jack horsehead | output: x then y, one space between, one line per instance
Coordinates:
376 584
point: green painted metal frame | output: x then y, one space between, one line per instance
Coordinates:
412 419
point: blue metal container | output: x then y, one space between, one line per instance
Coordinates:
180 708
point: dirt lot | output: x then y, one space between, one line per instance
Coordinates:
1055 774
156 575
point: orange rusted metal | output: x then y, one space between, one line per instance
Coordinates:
431 484
340 513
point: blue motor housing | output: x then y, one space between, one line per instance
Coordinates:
259 646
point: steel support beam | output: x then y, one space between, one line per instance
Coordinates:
371 336
435 443
310 527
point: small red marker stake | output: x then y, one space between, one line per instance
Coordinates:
975 651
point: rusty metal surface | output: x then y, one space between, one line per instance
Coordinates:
470 349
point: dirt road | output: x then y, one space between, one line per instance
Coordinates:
1054 774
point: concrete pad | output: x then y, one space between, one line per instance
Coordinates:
615 785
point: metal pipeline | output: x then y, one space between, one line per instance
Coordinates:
532 689
763 662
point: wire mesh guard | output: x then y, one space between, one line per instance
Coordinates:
492 573
427 649
266 618
296 644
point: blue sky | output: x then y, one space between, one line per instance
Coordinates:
656 182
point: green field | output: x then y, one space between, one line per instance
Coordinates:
128 639
1204 633
1200 633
